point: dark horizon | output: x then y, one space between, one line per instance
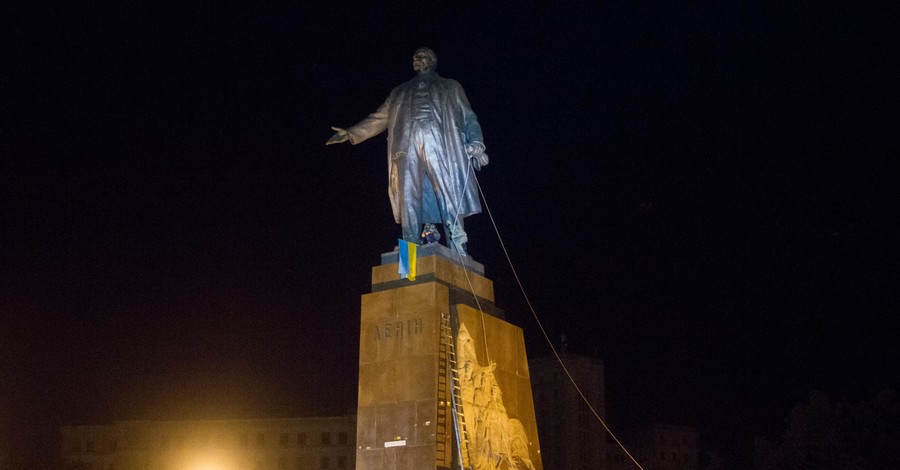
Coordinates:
699 194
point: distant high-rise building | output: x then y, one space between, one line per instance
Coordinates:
239 444
660 446
571 438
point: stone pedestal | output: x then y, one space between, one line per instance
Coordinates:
405 413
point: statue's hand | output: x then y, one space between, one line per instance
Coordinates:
340 136
475 150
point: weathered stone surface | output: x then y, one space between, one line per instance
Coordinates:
401 399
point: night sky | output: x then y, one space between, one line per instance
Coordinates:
699 193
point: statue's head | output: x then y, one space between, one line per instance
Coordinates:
424 60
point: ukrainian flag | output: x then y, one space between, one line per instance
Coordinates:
407 267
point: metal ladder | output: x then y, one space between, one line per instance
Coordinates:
450 397
444 427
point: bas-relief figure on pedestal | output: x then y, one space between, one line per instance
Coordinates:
434 143
497 442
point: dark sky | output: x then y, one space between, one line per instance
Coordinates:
697 192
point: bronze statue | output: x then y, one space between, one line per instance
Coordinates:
434 142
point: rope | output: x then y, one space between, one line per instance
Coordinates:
530 308
544 332
462 263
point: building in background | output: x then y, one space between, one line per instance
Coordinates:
663 446
240 444
570 436
572 439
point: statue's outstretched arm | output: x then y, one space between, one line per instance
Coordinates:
341 135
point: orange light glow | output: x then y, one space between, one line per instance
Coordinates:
206 462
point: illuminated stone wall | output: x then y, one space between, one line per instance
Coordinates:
404 413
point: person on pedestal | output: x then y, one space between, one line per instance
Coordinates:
434 143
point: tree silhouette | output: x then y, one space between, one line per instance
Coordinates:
822 434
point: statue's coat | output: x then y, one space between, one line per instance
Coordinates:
458 125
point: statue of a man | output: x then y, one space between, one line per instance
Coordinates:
434 142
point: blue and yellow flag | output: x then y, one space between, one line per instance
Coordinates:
407 267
